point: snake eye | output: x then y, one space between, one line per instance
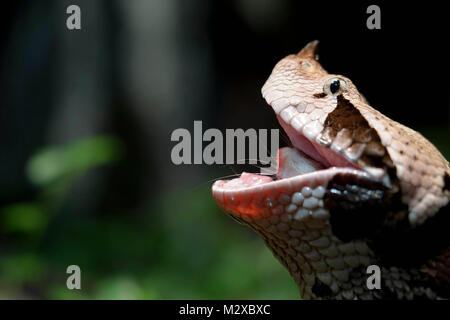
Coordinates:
334 86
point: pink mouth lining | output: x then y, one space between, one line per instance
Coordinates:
320 158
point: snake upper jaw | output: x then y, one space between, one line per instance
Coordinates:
357 188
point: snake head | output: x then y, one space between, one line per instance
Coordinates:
350 180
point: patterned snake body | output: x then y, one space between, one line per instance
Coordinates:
356 189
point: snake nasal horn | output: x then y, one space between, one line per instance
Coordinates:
310 51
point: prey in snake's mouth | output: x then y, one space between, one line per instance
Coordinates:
355 189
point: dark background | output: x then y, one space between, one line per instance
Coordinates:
86 118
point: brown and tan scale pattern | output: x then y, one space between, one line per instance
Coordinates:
296 228
347 133
420 167
295 90
319 233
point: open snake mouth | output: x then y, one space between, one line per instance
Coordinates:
351 190
328 134
306 164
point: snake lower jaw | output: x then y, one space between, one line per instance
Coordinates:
356 189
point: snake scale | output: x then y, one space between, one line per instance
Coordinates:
355 189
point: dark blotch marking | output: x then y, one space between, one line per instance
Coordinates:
363 209
358 206
320 289
406 246
320 95
345 115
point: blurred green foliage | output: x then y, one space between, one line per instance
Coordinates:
183 248
56 163
23 217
